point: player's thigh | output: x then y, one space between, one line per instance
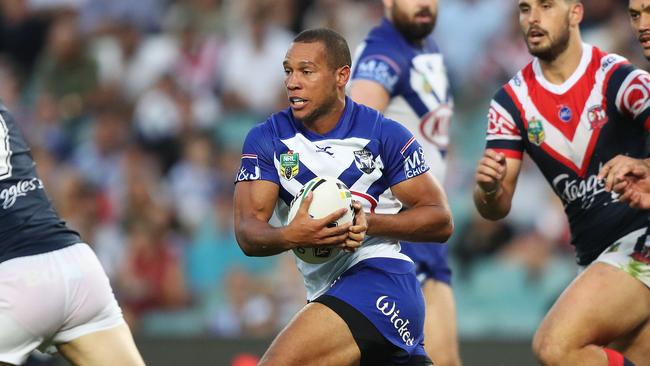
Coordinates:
599 306
315 336
113 346
440 334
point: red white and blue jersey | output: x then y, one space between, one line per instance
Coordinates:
416 80
570 131
28 223
367 152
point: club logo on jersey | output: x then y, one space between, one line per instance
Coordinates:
364 161
564 113
289 165
597 117
536 132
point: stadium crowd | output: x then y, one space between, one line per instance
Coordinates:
136 112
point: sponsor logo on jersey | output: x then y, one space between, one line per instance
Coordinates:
248 163
289 165
501 125
584 190
10 194
434 126
364 161
636 96
325 150
415 164
607 62
597 117
373 68
564 113
389 309
536 132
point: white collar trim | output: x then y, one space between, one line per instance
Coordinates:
585 59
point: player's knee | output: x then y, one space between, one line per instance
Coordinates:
547 350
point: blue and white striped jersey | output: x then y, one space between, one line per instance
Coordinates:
366 151
416 80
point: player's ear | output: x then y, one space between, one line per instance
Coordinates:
342 75
576 13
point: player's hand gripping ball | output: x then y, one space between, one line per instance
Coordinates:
329 195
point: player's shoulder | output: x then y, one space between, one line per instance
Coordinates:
277 125
384 44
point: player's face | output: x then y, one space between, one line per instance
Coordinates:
640 19
415 19
546 27
311 83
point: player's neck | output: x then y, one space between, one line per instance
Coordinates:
328 121
565 64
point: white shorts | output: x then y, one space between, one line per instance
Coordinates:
53 298
622 255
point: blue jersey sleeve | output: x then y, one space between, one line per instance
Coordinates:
257 157
404 157
379 68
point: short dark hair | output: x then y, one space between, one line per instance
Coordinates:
337 51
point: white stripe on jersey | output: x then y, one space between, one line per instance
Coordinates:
622 98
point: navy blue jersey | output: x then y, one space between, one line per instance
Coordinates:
28 223
571 131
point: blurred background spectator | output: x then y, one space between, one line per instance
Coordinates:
136 111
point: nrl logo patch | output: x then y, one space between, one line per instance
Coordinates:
289 165
536 131
363 159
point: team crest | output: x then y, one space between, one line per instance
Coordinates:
536 131
289 165
597 117
363 159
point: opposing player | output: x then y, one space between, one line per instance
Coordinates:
399 71
365 304
572 109
53 290
629 177
639 11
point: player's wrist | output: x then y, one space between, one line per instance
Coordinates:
489 195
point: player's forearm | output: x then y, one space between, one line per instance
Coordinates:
417 224
259 239
491 205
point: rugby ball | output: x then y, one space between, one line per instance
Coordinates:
329 195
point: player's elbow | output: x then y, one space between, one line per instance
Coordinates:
245 245
446 228
439 227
